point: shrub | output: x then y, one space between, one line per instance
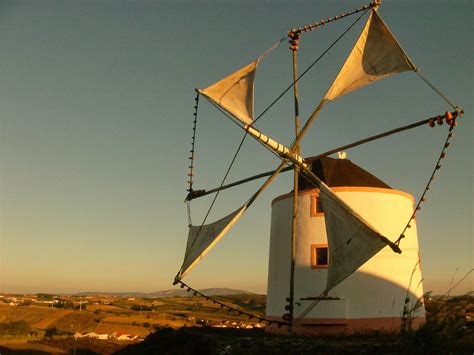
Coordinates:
446 330
50 332
20 327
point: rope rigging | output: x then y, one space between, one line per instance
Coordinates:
310 66
200 193
448 117
191 191
312 27
230 308
192 157
194 193
435 89
258 117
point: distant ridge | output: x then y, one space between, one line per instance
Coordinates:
222 291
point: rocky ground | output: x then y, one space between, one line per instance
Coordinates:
243 341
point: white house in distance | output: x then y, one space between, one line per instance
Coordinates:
373 297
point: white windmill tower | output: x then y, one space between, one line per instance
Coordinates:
374 296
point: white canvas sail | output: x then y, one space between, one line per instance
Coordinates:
351 240
202 239
376 55
234 93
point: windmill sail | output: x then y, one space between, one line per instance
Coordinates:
234 93
376 55
201 239
351 240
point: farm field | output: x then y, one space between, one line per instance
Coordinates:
186 325
49 329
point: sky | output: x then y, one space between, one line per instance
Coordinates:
96 123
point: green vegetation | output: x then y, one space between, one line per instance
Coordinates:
15 328
139 307
44 297
70 305
251 302
51 332
447 328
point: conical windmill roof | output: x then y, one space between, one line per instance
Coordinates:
341 172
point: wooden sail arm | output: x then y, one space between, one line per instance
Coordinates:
431 121
312 26
200 193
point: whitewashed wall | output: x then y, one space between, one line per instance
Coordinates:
377 290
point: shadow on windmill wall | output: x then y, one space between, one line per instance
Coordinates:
363 303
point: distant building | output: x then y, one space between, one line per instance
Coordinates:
127 337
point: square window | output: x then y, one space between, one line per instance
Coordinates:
322 256
319 256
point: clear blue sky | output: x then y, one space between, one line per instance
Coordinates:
96 120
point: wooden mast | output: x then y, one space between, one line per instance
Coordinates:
294 40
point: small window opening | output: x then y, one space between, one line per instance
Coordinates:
319 256
319 206
316 206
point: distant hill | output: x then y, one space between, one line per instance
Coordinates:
179 292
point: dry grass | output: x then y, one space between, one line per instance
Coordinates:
79 321
103 308
162 321
25 348
131 319
172 323
17 339
83 346
37 317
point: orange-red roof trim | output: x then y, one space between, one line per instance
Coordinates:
348 189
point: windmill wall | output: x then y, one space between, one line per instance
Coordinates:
373 298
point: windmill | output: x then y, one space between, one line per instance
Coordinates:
352 238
